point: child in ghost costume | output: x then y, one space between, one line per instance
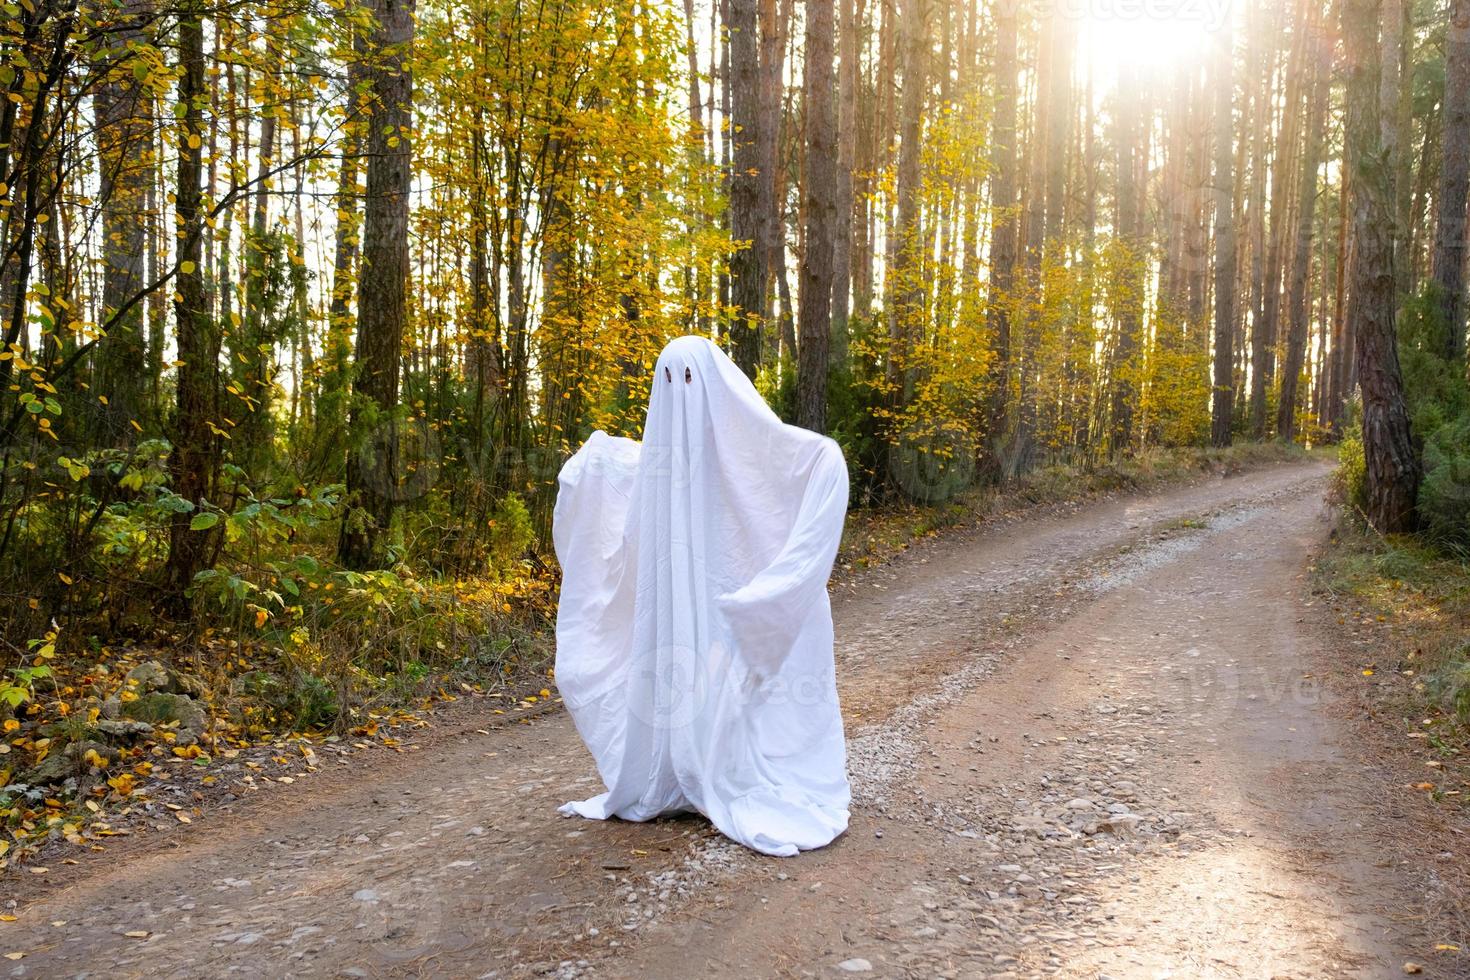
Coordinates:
694 635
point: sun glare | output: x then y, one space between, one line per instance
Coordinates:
1147 33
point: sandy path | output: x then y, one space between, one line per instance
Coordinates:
1081 745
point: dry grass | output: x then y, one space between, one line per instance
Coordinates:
1398 614
1410 604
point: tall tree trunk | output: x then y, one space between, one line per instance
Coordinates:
1197 220
125 155
847 138
820 182
332 403
1405 266
1222 385
1419 207
1058 126
775 26
1003 238
194 457
700 150
372 469
1298 68
1171 205
1393 472
223 292
1391 44
1342 338
1448 264
253 355
720 13
1130 303
1033 198
268 155
1261 44
1318 67
1088 421
485 357
908 290
158 300
747 270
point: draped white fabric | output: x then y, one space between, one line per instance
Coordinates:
694 634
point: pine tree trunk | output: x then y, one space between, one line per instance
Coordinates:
820 217
1405 268
1391 40
747 270
695 285
252 359
1223 391
1002 234
1318 65
847 139
1130 303
194 457
1419 208
1197 228
1033 199
908 290
1392 479
372 469
1448 264
125 164
1058 126
332 415
1281 172
775 26
1338 371
1260 340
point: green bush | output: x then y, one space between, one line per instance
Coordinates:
264 701
1444 496
776 381
466 533
1352 470
854 405
1438 397
511 534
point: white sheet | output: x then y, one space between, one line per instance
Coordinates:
694 634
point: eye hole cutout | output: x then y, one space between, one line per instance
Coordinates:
667 376
688 378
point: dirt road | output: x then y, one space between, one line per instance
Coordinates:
1091 744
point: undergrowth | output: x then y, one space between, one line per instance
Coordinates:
1409 601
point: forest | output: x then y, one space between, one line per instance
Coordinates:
306 301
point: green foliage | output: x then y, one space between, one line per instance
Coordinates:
459 530
852 403
776 381
1444 495
268 701
1434 386
17 692
510 534
1450 685
1351 478
275 314
1438 396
